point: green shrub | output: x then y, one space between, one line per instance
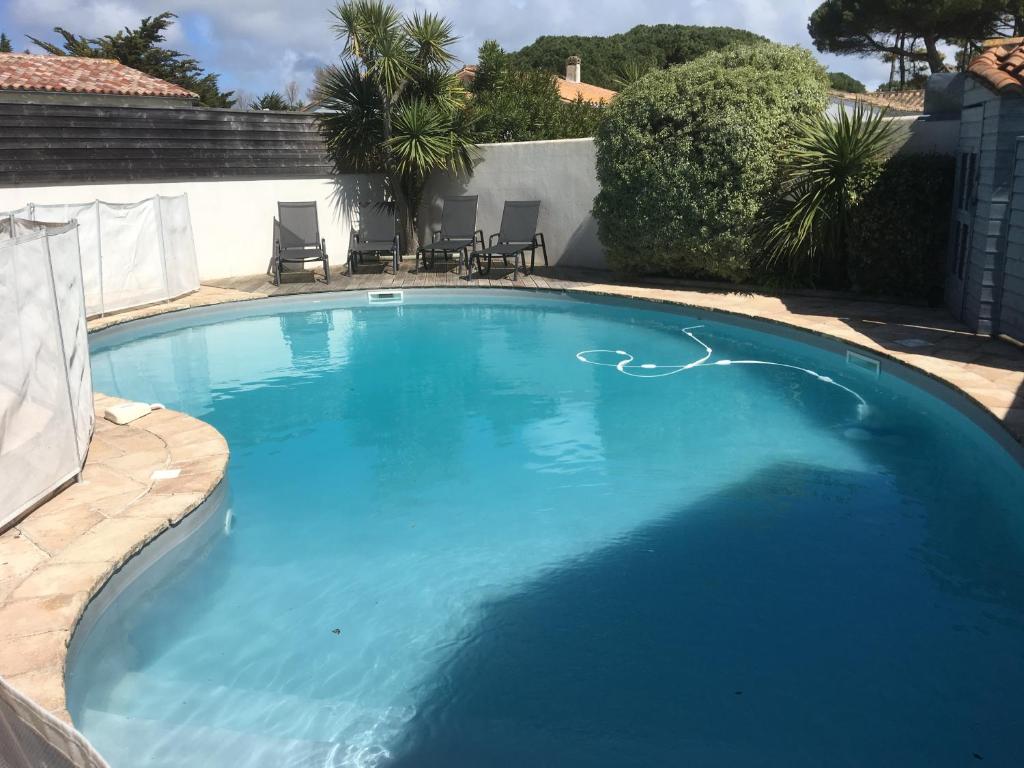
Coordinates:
686 156
900 228
840 81
802 231
514 104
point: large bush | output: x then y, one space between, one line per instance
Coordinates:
900 228
686 157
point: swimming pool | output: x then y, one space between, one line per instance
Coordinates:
478 529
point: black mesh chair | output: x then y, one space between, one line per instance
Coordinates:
517 235
458 232
299 240
376 235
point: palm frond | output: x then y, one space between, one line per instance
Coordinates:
351 124
432 36
804 225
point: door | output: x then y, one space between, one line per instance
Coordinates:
965 202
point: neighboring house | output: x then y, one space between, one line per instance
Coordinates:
985 278
893 102
28 78
569 87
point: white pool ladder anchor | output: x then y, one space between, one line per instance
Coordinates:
864 363
384 297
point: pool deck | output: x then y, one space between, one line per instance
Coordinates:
58 558
55 560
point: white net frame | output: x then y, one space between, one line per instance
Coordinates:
32 738
46 398
133 254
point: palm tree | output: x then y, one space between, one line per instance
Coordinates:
393 106
829 165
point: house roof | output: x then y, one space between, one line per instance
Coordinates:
901 102
74 74
1001 68
568 91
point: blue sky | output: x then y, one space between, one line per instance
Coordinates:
259 45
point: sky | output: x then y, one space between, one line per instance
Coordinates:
261 45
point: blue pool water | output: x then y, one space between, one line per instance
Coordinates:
457 541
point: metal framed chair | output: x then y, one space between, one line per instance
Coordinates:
517 235
457 235
299 240
377 235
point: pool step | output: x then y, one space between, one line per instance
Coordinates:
280 716
156 744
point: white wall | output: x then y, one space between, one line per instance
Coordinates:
232 221
561 174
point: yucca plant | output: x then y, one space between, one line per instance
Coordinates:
393 106
829 164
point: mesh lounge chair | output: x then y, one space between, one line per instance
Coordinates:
299 238
518 234
458 232
377 235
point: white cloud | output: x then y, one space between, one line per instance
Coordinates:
262 44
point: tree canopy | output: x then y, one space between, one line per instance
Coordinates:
840 81
274 102
140 49
393 105
5 44
511 103
907 30
606 59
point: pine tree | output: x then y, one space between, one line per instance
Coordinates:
5 44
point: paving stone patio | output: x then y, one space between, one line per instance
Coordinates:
60 556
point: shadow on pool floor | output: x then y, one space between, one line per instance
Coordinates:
805 617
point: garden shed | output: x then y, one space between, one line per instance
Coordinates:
985 279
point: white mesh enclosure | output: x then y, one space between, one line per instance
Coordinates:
132 254
30 738
46 401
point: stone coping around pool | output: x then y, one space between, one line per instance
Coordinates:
59 557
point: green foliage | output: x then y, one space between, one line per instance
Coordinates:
394 106
802 233
274 102
899 229
840 81
629 73
513 104
5 44
140 49
606 58
687 156
884 27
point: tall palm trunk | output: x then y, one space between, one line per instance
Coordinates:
410 240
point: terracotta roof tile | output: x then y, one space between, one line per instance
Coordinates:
73 74
1001 68
570 91
902 102
566 90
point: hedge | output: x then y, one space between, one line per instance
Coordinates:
685 157
900 229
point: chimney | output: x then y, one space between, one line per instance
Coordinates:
572 69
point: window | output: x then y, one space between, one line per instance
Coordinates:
968 180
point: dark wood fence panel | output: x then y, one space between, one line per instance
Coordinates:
58 144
